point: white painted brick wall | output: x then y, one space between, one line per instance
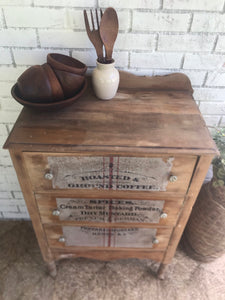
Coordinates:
220 47
215 79
132 4
66 3
126 41
204 61
16 2
186 42
203 22
160 21
212 108
155 60
222 123
211 120
10 73
156 37
204 5
14 37
209 94
33 56
35 17
5 56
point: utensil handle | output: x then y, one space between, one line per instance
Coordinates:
108 53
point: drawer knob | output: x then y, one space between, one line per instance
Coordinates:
155 241
163 215
173 178
55 212
62 239
48 176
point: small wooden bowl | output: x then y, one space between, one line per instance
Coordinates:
39 84
47 106
71 83
66 63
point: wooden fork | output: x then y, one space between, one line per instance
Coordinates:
94 34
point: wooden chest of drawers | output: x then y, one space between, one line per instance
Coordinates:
113 179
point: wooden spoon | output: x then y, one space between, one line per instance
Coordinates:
109 27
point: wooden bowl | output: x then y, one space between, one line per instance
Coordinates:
47 106
66 63
39 84
71 83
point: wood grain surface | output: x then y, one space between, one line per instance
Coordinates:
106 255
154 107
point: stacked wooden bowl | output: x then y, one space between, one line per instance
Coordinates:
55 84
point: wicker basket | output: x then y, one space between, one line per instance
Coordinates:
204 235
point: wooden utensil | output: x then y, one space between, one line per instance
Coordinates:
109 27
94 34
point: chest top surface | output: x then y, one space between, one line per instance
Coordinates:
147 113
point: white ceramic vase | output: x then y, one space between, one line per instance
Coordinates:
105 80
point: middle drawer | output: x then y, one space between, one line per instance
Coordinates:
61 209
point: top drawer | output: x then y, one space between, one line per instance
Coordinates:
56 171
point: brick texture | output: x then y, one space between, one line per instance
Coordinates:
33 56
204 61
155 60
208 22
16 2
5 57
220 47
69 3
156 37
64 39
10 73
160 21
35 17
18 37
222 123
128 40
211 121
150 4
215 79
204 5
212 108
209 94
186 42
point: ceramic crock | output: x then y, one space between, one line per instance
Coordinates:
105 80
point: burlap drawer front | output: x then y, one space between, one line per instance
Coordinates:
115 237
115 173
60 209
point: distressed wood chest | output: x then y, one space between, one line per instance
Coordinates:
113 179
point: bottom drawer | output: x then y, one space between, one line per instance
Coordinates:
109 254
107 237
